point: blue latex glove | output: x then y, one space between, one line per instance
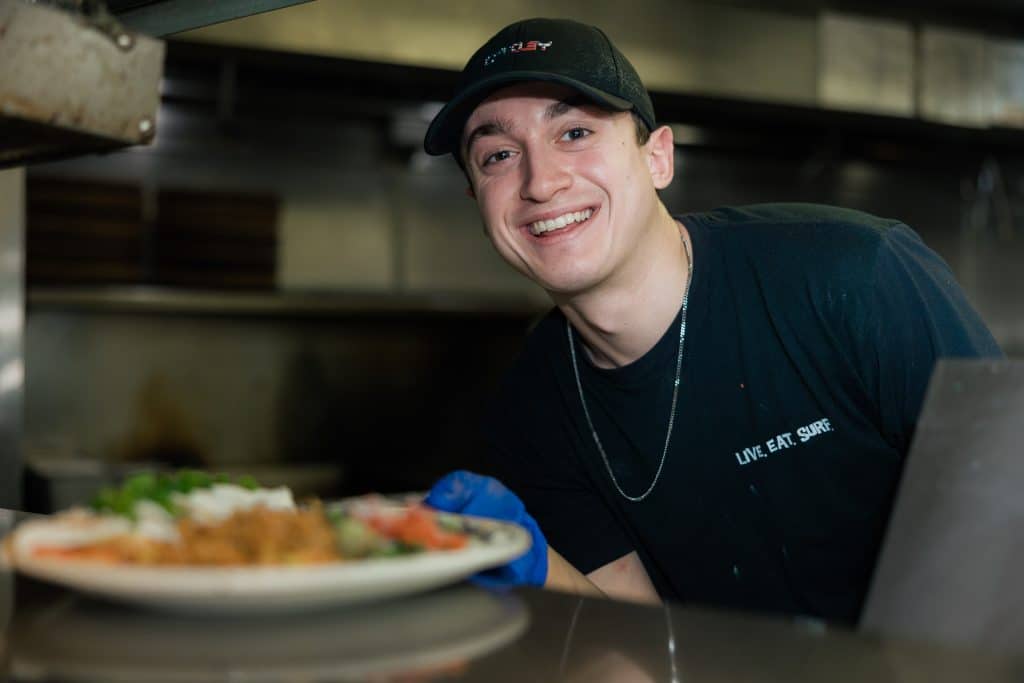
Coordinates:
474 494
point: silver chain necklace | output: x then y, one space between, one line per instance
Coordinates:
675 389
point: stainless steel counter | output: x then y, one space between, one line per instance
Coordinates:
462 633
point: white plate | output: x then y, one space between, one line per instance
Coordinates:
240 590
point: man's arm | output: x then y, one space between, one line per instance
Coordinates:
909 313
626 579
621 579
474 494
564 577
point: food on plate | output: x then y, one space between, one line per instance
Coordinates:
194 518
361 535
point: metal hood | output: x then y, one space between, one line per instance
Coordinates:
78 78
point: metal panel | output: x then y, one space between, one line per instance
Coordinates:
173 16
12 226
955 80
866 64
1007 82
949 570
676 46
68 87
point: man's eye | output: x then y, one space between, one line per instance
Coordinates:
496 157
575 133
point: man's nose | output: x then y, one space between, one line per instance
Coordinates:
544 175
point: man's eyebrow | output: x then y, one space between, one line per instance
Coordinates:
562 107
502 126
492 127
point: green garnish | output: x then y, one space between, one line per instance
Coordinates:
450 523
248 482
160 488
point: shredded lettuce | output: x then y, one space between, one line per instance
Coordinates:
160 488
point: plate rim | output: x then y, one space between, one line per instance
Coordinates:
232 587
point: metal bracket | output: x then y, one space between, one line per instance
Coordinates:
94 13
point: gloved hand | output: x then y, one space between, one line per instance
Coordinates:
474 494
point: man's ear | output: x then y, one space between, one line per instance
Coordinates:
661 157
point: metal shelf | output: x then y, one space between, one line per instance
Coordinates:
162 301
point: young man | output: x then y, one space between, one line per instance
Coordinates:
717 408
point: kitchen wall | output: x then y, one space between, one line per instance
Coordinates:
330 404
352 217
390 398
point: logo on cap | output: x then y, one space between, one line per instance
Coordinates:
516 48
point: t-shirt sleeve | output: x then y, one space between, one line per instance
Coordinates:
911 313
529 450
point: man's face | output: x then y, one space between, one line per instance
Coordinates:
564 189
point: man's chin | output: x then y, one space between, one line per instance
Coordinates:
563 292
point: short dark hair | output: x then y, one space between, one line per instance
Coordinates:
643 134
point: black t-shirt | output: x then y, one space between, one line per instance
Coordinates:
811 335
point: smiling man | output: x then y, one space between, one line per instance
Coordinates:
717 408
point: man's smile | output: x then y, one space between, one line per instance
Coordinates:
555 222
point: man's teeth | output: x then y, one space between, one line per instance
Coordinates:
558 223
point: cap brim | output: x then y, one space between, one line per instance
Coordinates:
445 132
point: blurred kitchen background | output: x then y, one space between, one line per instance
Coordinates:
283 283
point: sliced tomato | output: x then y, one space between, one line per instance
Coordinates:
418 526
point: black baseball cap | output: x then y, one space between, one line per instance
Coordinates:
554 50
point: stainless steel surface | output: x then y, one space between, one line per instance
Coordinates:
680 46
157 300
461 633
243 390
83 640
955 79
163 17
69 88
747 49
12 323
951 563
991 248
866 64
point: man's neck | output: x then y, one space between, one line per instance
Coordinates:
622 320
